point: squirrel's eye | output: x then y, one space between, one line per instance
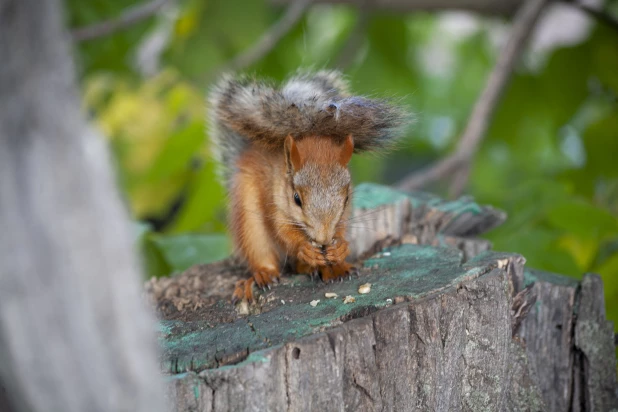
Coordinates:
297 200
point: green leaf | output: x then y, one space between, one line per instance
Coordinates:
604 49
204 206
582 219
152 260
218 33
601 144
110 53
183 251
155 264
180 148
540 248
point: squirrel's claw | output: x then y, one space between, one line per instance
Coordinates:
315 275
265 278
335 272
243 290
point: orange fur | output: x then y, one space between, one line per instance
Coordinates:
266 224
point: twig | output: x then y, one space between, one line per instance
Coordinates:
128 18
599 15
460 180
485 105
270 39
355 38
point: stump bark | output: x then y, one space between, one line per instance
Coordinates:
445 326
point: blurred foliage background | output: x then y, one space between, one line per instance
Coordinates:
549 158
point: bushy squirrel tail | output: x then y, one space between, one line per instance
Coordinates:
245 111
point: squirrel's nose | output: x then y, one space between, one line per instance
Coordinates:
323 236
323 240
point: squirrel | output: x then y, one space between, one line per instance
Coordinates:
283 157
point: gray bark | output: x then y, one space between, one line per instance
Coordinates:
74 334
450 351
418 219
569 343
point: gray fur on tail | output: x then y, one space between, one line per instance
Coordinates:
244 110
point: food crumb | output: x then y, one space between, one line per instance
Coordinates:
389 300
282 301
330 295
243 308
314 303
364 289
349 299
386 254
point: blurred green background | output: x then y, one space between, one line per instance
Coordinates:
549 158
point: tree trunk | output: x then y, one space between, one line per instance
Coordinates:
74 334
440 329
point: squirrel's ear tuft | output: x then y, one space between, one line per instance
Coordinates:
346 150
292 155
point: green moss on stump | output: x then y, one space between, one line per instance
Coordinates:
407 271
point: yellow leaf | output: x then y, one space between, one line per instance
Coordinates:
582 250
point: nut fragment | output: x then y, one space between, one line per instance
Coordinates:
314 303
364 289
243 307
349 299
330 295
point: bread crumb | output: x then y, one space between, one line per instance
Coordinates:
364 289
243 308
330 295
314 303
349 299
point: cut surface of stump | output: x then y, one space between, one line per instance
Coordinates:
399 274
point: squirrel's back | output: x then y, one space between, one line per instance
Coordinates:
244 111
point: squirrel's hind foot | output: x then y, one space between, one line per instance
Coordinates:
243 290
262 278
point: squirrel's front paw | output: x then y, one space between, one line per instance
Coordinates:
337 271
312 255
337 251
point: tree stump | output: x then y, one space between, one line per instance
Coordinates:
444 326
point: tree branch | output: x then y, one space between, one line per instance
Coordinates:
127 18
489 7
355 38
485 105
270 39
